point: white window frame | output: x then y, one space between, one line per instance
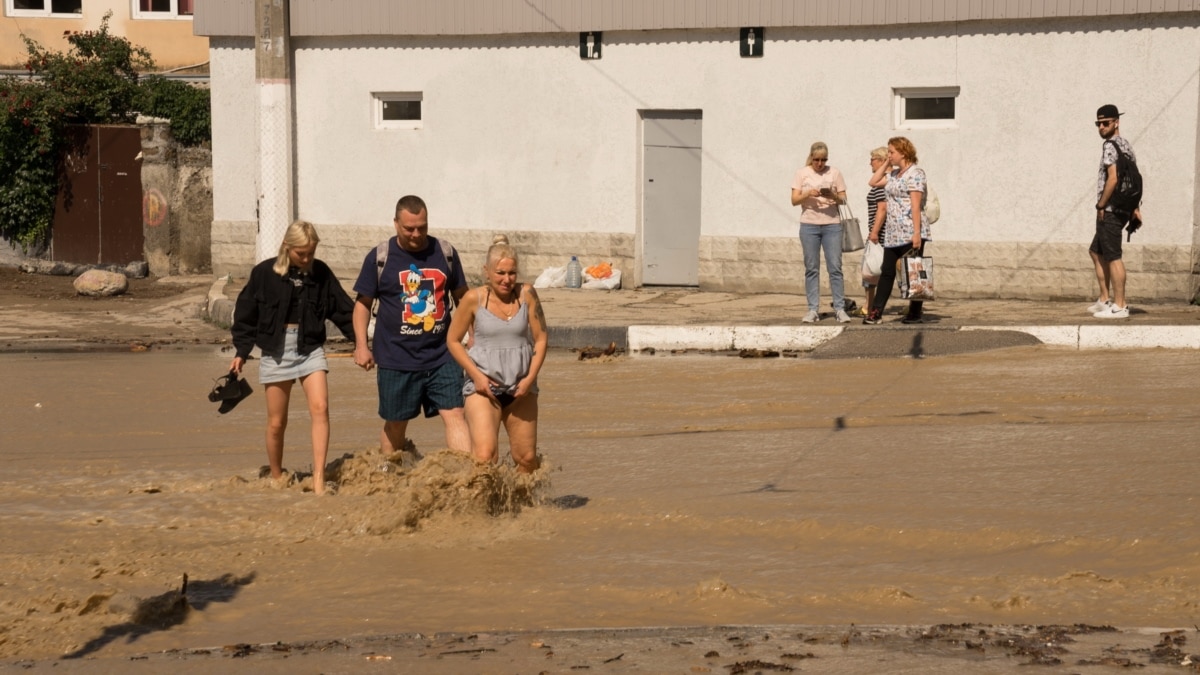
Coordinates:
900 95
379 98
10 10
169 15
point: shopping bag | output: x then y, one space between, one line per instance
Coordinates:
852 239
551 277
916 278
872 263
931 208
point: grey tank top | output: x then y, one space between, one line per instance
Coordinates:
503 350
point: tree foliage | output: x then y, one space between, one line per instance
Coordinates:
186 106
96 81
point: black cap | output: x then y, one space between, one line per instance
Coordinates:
1108 112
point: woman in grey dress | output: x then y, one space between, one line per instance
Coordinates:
508 348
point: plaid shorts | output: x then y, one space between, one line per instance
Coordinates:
402 394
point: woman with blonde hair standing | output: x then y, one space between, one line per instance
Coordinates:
282 310
502 365
876 216
818 189
906 231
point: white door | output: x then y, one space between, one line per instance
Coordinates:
671 198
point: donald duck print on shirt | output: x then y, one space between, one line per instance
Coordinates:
423 293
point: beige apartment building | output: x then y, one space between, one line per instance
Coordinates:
164 27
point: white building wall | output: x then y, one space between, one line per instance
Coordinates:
235 155
521 136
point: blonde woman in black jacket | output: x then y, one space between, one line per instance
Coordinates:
282 310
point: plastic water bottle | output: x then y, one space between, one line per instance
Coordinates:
574 273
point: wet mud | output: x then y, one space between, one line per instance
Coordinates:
988 510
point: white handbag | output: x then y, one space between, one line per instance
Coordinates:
872 262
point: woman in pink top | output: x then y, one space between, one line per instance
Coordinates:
818 189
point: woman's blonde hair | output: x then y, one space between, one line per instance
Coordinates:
879 153
500 250
817 148
299 234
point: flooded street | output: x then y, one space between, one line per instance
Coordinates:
1021 486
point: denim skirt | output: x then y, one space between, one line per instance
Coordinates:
291 366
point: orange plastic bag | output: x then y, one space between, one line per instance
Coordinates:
600 271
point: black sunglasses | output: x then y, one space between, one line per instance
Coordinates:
1104 123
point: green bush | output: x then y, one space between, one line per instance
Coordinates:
186 106
97 78
30 131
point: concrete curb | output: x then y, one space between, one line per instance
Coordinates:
726 338
218 309
1110 337
580 337
796 338
646 338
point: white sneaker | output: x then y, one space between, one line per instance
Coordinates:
1099 306
842 316
1113 312
811 317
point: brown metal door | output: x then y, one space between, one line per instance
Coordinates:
120 181
76 211
98 213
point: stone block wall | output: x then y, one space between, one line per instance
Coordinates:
343 248
1018 270
177 204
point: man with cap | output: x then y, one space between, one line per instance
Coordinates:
1106 245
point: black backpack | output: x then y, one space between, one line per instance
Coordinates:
1128 194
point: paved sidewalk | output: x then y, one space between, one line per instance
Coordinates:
685 319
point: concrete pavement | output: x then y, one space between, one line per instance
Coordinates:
656 320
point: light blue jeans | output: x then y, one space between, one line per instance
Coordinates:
814 239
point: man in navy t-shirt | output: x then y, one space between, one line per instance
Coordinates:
414 289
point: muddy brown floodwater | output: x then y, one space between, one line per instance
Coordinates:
1028 486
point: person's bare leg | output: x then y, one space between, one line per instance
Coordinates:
391 439
1116 274
458 436
1101 275
483 422
520 421
278 395
316 390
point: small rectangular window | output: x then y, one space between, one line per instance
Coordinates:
925 108
162 9
72 8
397 110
